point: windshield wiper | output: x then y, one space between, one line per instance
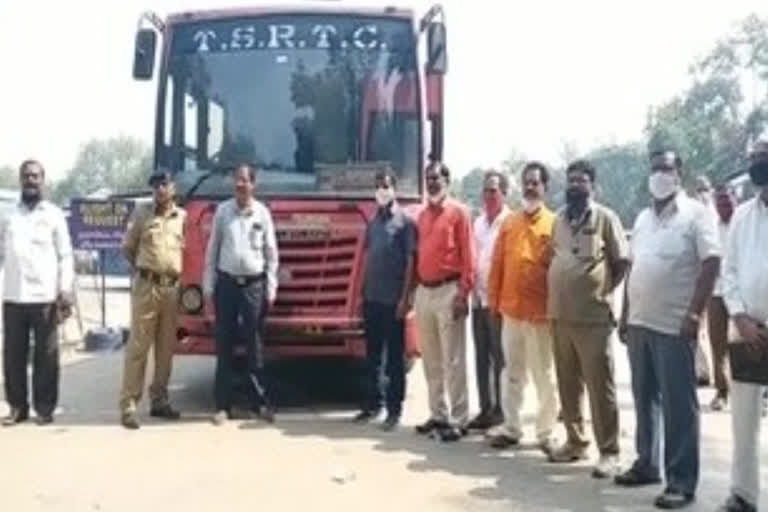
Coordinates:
216 170
224 169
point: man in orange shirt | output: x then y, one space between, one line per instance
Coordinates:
517 289
445 272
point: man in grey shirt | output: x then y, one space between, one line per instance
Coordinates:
391 243
241 275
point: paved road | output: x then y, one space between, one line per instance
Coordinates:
313 458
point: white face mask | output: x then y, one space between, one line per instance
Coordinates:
662 185
384 196
531 205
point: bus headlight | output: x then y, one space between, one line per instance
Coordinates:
192 299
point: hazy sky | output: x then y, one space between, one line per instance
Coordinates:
524 75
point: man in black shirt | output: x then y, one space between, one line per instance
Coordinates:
391 244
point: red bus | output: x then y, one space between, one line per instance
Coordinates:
319 98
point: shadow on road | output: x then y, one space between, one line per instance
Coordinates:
316 403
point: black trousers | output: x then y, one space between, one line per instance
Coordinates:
240 312
19 320
489 359
384 332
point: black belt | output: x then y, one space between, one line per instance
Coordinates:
440 282
245 280
158 279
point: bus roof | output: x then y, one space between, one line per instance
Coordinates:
309 8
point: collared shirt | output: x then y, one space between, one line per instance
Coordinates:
445 244
390 239
486 234
242 243
155 241
36 254
722 231
745 275
667 252
517 283
585 252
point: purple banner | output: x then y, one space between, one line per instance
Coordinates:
98 224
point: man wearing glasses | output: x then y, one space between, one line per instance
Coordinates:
153 245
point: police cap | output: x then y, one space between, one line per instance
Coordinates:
160 176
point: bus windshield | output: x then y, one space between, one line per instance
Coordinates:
318 103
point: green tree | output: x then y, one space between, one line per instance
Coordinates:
712 124
121 164
621 178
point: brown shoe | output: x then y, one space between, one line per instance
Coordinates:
129 421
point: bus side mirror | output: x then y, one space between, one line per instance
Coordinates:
437 50
144 54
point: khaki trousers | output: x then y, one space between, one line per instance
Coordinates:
584 357
528 348
443 349
153 325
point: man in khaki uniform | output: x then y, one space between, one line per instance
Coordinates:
153 245
591 256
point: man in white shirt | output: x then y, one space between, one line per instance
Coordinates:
745 286
36 254
486 328
675 261
717 314
241 275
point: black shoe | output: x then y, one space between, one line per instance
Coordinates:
129 421
634 478
430 426
15 417
736 503
503 441
671 499
165 412
481 422
366 415
391 422
44 419
450 434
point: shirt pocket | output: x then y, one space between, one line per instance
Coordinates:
176 238
152 233
588 245
671 244
256 236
